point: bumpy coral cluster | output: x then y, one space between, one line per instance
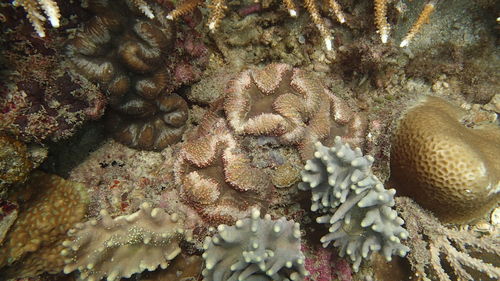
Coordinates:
119 247
292 105
435 250
216 177
255 249
359 208
449 169
32 244
136 61
15 165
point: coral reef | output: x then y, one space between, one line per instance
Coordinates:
119 247
49 207
359 208
444 253
40 98
139 62
444 166
255 249
183 268
292 105
216 177
15 164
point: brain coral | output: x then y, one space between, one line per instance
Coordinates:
450 169
292 105
255 249
136 60
32 245
216 178
119 247
359 208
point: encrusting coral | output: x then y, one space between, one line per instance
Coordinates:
358 208
447 168
15 164
216 178
49 207
292 105
436 249
255 249
137 61
113 248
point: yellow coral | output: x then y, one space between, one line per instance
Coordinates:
447 168
32 244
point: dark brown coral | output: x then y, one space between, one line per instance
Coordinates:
136 60
216 177
292 105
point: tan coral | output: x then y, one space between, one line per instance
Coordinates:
216 178
32 244
33 10
15 165
447 168
292 105
125 245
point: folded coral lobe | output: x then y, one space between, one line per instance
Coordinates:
446 167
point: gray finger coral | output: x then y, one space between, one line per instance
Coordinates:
356 205
447 168
119 247
255 249
133 58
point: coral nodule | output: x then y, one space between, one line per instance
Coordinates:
447 168
134 59
255 249
358 208
119 247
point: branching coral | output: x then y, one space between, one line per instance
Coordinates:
362 220
32 245
446 167
216 177
290 104
137 61
119 247
255 249
435 247
33 7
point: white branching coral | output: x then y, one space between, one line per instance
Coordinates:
119 247
435 247
357 206
34 9
255 249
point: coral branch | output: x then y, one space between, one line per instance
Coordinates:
423 18
381 20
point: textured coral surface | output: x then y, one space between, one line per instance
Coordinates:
32 245
216 177
450 169
137 61
255 249
291 104
113 248
14 163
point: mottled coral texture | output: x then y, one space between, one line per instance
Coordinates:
139 61
216 177
15 164
292 105
449 169
113 248
255 249
49 207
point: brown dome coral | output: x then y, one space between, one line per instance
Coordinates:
447 168
216 178
134 59
292 105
